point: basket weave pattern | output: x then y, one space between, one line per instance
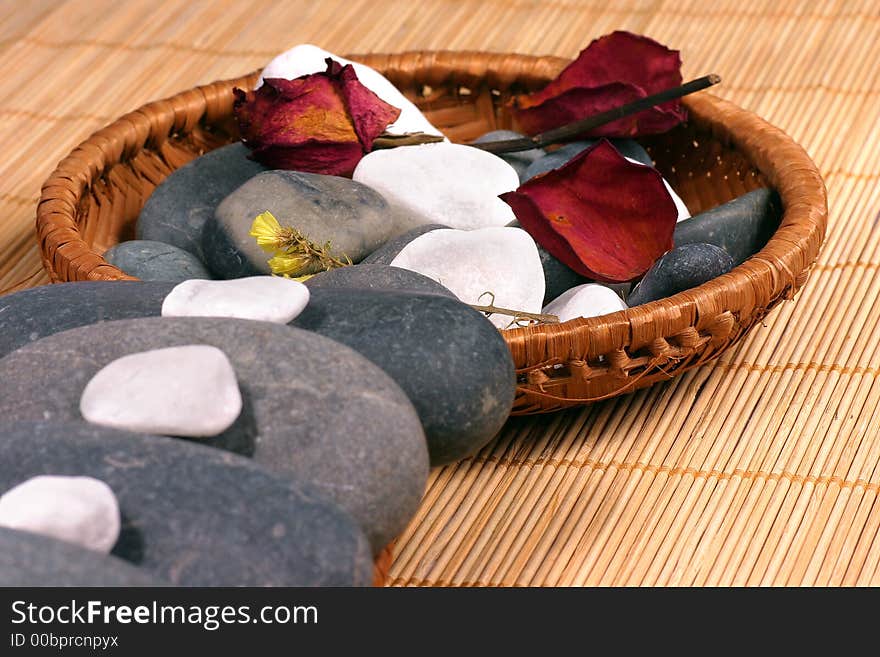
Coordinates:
93 199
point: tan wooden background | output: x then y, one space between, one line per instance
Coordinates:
760 469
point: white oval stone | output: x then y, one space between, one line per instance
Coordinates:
450 184
588 300
263 298
178 391
305 59
683 212
79 510
503 261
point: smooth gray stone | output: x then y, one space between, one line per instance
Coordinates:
454 365
156 261
377 277
388 251
178 208
558 277
354 218
626 147
33 560
32 314
314 409
741 227
519 160
681 269
196 516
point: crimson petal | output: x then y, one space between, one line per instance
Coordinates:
612 71
603 216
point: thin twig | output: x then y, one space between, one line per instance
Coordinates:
573 130
518 314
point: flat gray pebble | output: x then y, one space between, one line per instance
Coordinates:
196 516
314 409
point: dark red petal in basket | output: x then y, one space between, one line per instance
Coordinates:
606 218
613 70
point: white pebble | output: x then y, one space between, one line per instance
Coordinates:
305 59
588 300
79 510
683 212
503 261
262 298
178 391
449 184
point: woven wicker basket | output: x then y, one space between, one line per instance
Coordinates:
93 199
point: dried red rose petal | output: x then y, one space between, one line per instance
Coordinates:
613 70
603 216
319 123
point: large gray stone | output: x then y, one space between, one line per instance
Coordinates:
156 261
353 218
196 516
454 365
32 560
377 277
32 314
178 208
388 251
314 409
741 227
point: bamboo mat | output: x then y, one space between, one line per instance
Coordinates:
761 469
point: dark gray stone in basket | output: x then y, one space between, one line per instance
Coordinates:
196 516
563 155
377 277
178 208
156 261
519 160
314 409
454 365
32 314
558 277
32 560
388 251
682 268
741 227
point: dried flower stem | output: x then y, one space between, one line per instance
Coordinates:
576 129
388 140
315 257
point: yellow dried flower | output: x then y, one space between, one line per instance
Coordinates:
270 236
293 254
285 264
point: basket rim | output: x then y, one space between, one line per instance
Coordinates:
777 271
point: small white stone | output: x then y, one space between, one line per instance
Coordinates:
305 59
178 391
79 510
503 261
450 184
263 298
588 300
683 212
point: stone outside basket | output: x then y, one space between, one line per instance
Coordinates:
92 201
